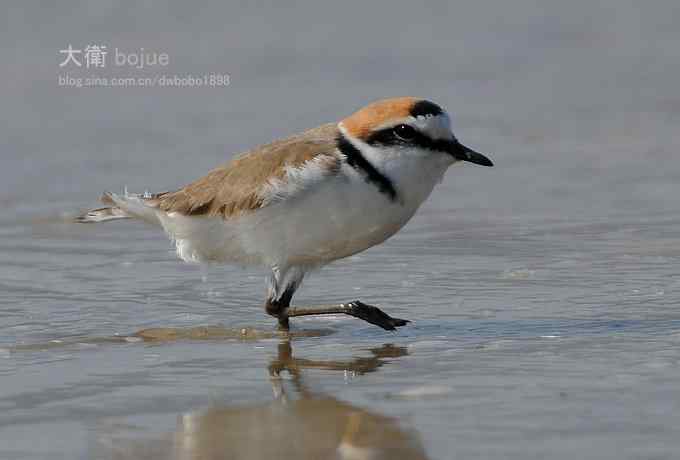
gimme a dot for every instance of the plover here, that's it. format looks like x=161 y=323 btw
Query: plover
x=299 y=203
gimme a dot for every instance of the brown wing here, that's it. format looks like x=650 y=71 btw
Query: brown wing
x=233 y=188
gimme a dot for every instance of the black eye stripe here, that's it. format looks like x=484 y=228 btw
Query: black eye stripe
x=387 y=137
x=404 y=132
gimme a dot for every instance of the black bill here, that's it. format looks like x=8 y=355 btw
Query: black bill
x=460 y=152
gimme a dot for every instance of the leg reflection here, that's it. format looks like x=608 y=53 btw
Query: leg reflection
x=300 y=423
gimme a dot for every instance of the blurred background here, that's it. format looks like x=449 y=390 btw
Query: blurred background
x=543 y=292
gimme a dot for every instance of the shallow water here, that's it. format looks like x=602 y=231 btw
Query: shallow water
x=543 y=292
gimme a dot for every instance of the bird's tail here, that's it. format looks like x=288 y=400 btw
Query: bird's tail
x=126 y=206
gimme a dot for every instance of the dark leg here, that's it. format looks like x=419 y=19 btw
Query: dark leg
x=278 y=307
x=288 y=280
x=282 y=310
x=358 y=309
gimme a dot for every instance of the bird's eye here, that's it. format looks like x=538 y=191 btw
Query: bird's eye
x=404 y=132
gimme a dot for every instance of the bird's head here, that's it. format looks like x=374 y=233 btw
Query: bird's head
x=408 y=126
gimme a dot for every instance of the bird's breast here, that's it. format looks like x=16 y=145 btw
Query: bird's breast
x=344 y=215
x=324 y=220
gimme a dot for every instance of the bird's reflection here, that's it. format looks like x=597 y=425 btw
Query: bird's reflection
x=299 y=424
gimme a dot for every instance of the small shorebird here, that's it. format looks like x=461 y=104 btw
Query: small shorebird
x=301 y=202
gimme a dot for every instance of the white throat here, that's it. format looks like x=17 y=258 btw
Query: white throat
x=414 y=172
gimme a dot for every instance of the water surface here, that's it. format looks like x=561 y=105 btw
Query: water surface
x=543 y=292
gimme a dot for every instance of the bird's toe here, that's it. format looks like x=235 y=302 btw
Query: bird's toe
x=374 y=315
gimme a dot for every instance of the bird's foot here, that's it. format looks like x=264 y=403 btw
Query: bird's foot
x=374 y=315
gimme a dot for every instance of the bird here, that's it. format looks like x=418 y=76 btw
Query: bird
x=299 y=203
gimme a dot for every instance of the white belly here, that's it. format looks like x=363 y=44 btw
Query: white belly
x=336 y=221
x=340 y=217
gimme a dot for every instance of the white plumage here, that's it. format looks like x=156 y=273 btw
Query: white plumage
x=331 y=192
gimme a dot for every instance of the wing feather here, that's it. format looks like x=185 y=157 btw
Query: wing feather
x=237 y=187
